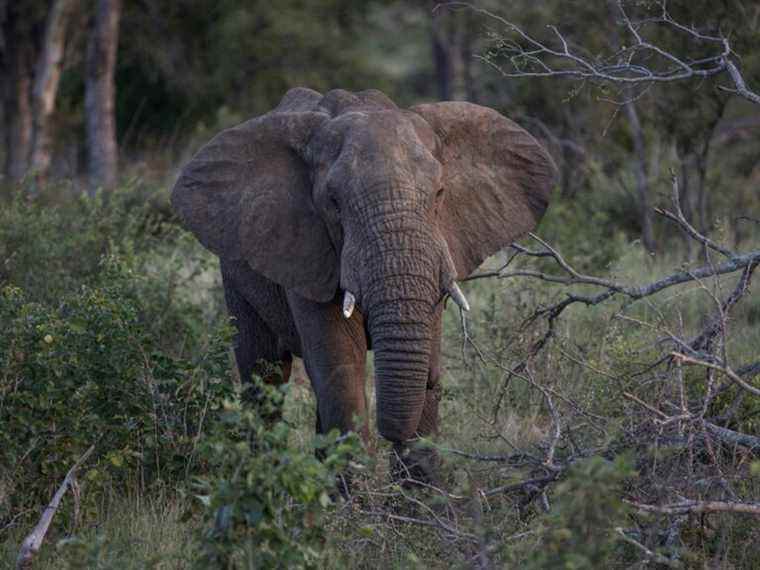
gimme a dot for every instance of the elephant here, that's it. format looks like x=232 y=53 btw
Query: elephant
x=342 y=224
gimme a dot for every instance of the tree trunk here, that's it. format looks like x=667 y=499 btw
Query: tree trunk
x=452 y=54
x=47 y=77
x=471 y=91
x=17 y=110
x=457 y=34
x=642 y=182
x=441 y=56
x=102 y=150
x=685 y=195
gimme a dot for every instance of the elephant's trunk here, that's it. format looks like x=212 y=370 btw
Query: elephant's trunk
x=399 y=288
x=401 y=339
x=400 y=305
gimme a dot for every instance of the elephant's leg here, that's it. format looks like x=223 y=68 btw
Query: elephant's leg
x=257 y=349
x=334 y=352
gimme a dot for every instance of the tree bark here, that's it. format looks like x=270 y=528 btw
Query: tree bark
x=441 y=56
x=102 y=149
x=17 y=110
x=451 y=55
x=642 y=182
x=471 y=90
x=47 y=78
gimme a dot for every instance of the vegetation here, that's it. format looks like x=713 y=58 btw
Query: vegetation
x=582 y=435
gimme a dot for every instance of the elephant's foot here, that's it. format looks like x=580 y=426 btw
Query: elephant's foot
x=413 y=464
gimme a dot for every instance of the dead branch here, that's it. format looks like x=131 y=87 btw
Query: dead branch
x=741 y=86
x=569 y=276
x=716 y=322
x=679 y=218
x=720 y=367
x=651 y=555
x=638 y=62
x=686 y=507
x=733 y=437
x=33 y=541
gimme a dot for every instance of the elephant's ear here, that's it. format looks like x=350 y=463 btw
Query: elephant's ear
x=247 y=195
x=497 y=180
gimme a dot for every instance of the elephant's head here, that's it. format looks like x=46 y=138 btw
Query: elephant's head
x=347 y=198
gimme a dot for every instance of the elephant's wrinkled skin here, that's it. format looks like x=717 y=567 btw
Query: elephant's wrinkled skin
x=348 y=193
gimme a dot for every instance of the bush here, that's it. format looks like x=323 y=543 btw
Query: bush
x=112 y=336
x=264 y=500
x=88 y=371
x=579 y=531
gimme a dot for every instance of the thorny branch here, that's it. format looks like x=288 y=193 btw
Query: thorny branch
x=528 y=56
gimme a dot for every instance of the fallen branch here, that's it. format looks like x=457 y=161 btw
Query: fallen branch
x=687 y=507
x=733 y=437
x=33 y=541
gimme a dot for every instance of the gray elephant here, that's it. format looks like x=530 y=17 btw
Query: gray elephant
x=342 y=223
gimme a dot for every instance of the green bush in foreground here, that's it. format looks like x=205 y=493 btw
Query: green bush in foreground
x=265 y=500
x=89 y=370
x=111 y=335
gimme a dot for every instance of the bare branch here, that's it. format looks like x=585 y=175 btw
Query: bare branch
x=681 y=220
x=528 y=56
x=741 y=86
x=33 y=541
x=700 y=507
x=733 y=437
x=651 y=555
x=720 y=367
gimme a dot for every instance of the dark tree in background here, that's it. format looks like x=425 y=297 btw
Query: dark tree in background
x=102 y=149
x=452 y=38
x=17 y=60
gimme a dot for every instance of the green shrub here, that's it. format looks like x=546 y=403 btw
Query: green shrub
x=579 y=532
x=89 y=371
x=264 y=500
x=112 y=334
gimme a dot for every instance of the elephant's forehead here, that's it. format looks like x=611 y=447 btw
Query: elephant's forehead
x=338 y=102
x=369 y=133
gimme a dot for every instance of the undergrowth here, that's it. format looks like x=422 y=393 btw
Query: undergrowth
x=114 y=334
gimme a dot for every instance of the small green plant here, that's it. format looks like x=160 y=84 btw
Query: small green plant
x=579 y=533
x=264 y=501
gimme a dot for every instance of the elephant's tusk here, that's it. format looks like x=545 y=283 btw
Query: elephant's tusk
x=349 y=302
x=458 y=296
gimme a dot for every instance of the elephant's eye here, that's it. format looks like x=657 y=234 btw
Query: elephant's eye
x=439 y=193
